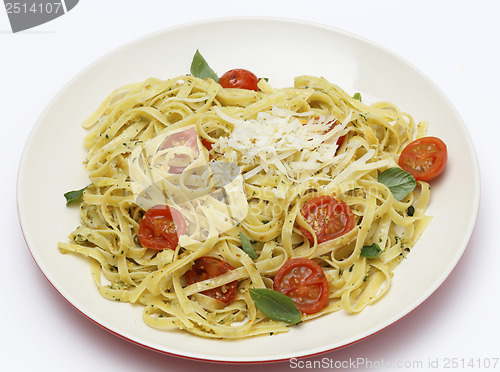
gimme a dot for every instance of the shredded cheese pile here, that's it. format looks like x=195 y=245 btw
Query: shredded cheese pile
x=280 y=143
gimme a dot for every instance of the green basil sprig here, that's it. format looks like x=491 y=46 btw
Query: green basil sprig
x=400 y=182
x=201 y=69
x=247 y=246
x=275 y=305
x=73 y=196
x=371 y=251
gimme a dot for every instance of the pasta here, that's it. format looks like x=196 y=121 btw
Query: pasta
x=256 y=161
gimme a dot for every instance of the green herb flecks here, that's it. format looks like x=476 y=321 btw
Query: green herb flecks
x=411 y=211
x=357 y=96
x=400 y=182
x=201 y=69
x=371 y=251
x=275 y=305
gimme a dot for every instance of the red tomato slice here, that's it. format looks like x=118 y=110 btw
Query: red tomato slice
x=424 y=158
x=208 y=267
x=304 y=281
x=239 y=78
x=340 y=140
x=328 y=217
x=206 y=143
x=186 y=138
x=161 y=227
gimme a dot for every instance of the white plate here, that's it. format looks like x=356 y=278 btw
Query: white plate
x=280 y=50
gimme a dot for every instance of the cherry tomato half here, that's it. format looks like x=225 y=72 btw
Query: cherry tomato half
x=208 y=267
x=340 y=140
x=161 y=227
x=328 y=217
x=239 y=78
x=424 y=158
x=304 y=281
x=186 y=138
x=207 y=144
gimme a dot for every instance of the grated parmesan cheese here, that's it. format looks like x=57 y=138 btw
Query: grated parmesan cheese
x=279 y=143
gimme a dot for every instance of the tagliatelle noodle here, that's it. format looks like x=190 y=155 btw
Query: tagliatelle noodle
x=283 y=143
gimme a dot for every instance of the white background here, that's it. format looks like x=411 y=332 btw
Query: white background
x=456 y=43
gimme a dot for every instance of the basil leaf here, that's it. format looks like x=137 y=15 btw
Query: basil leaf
x=247 y=246
x=400 y=182
x=357 y=96
x=201 y=69
x=371 y=251
x=73 y=196
x=275 y=305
